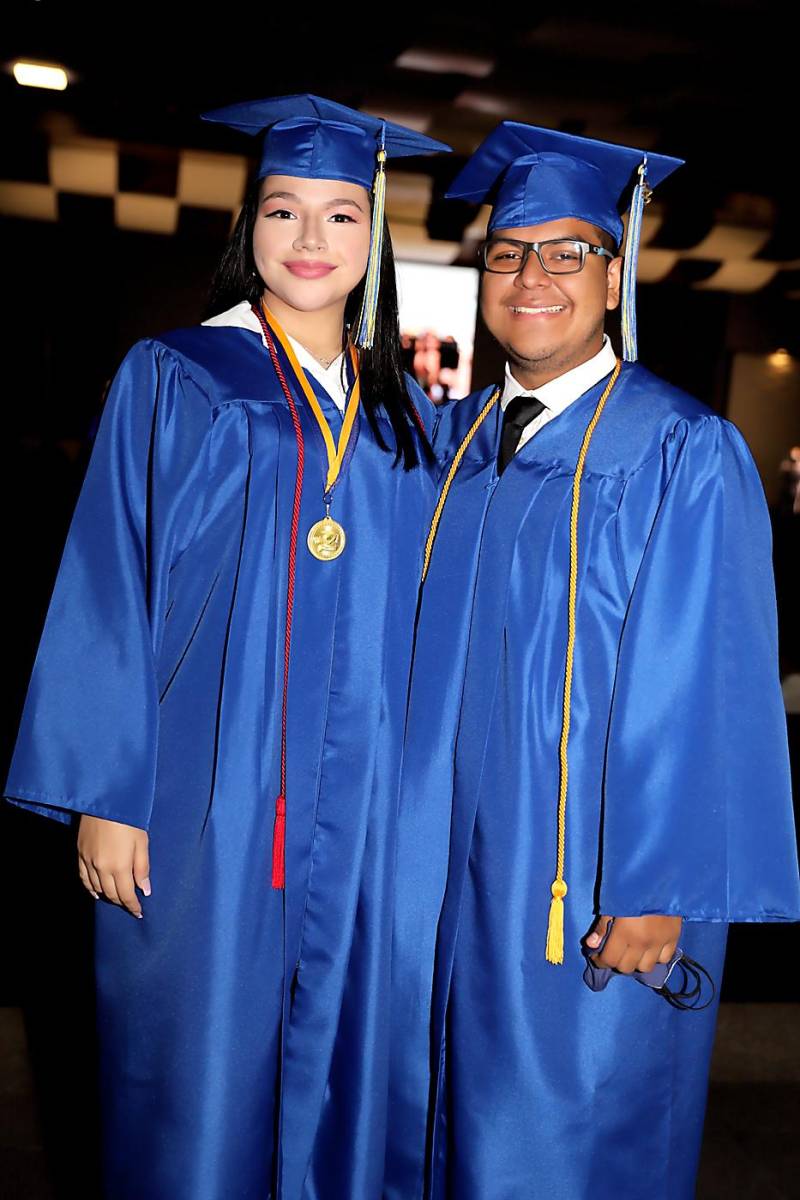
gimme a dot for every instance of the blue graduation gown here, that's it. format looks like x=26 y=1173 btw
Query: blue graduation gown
x=243 y=1029
x=678 y=797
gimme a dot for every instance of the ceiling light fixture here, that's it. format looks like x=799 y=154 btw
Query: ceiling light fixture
x=40 y=75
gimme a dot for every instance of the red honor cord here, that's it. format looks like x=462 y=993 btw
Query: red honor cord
x=279 y=828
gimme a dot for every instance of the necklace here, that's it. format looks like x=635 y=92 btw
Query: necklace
x=324 y=362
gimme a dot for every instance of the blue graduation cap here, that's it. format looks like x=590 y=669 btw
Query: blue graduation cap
x=533 y=175
x=313 y=138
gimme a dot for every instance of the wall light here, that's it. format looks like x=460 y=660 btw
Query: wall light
x=781 y=360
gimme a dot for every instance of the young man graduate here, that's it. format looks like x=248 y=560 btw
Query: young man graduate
x=596 y=686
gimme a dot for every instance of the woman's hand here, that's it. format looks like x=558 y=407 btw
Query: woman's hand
x=113 y=860
x=635 y=943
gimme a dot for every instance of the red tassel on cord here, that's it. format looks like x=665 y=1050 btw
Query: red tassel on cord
x=279 y=844
x=279 y=828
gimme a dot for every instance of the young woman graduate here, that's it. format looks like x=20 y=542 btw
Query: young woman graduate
x=611 y=731
x=220 y=690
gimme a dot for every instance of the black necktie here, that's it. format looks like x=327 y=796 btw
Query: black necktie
x=519 y=413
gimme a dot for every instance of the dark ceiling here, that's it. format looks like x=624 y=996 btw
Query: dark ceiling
x=712 y=81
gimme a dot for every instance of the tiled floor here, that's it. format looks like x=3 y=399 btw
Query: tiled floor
x=752 y=1138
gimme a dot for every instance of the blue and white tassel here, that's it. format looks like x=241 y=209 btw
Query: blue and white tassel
x=641 y=197
x=365 y=329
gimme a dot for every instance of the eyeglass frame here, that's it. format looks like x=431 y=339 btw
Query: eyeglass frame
x=586 y=248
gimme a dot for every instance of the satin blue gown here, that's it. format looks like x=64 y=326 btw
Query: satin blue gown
x=678 y=798
x=243 y=1029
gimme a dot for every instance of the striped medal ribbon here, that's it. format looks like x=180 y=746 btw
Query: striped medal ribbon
x=326 y=538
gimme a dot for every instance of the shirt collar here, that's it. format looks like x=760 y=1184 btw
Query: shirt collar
x=241 y=316
x=560 y=392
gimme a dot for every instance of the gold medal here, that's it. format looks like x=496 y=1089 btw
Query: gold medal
x=326 y=539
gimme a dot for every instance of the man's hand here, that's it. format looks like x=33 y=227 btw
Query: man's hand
x=635 y=943
x=113 y=861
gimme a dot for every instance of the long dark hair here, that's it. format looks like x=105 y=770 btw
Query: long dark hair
x=382 y=382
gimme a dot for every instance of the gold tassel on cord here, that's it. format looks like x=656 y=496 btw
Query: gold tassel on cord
x=554 y=951
x=554 y=948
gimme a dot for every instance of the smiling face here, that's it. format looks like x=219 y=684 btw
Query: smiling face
x=310 y=242
x=548 y=324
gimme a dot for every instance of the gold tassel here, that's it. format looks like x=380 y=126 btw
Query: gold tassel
x=554 y=950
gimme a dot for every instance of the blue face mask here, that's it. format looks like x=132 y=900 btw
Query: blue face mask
x=683 y=983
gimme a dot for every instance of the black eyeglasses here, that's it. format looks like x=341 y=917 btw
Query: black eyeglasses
x=557 y=256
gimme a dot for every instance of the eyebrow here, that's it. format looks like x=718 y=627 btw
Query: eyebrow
x=330 y=204
x=558 y=237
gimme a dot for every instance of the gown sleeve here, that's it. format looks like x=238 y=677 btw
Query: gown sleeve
x=88 y=737
x=697 y=811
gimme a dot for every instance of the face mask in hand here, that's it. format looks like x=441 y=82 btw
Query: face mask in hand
x=681 y=981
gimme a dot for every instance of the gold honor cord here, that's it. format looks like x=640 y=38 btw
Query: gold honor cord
x=326 y=538
x=455 y=464
x=554 y=950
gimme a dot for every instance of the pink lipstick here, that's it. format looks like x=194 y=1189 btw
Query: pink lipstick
x=309 y=268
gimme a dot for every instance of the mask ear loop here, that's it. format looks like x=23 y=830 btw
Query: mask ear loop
x=641 y=196
x=682 y=997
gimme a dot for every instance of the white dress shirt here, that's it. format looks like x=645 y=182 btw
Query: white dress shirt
x=559 y=393
x=241 y=316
